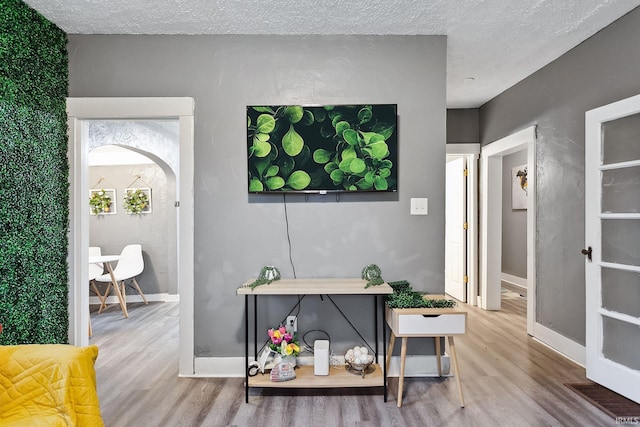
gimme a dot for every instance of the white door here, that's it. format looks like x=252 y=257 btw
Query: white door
x=612 y=184
x=455 y=230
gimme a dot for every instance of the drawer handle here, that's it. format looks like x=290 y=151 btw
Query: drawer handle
x=431 y=315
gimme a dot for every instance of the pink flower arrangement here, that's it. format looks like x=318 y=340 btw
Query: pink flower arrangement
x=283 y=342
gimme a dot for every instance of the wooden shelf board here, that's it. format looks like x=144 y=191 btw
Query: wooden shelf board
x=338 y=377
x=315 y=286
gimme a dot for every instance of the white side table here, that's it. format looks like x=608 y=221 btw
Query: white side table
x=425 y=322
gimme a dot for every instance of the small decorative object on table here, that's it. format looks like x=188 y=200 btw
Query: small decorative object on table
x=268 y=274
x=286 y=348
x=359 y=361
x=405 y=297
x=373 y=275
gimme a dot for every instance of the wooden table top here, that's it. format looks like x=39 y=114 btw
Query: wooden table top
x=315 y=286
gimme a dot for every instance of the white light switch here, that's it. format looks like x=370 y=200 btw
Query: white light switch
x=419 y=206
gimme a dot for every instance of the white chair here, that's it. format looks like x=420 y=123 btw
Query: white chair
x=130 y=265
x=95 y=270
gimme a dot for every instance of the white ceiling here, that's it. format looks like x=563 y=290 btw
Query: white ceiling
x=492 y=44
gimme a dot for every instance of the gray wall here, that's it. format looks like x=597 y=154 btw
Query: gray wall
x=514 y=222
x=463 y=126
x=155 y=231
x=236 y=234
x=603 y=69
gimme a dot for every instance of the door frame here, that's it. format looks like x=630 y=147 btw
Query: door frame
x=491 y=220
x=78 y=111
x=471 y=152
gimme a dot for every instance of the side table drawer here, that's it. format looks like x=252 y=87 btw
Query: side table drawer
x=428 y=324
x=432 y=322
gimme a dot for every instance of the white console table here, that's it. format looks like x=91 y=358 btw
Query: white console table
x=305 y=377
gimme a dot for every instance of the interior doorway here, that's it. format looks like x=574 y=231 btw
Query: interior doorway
x=491 y=196
x=461 y=258
x=80 y=112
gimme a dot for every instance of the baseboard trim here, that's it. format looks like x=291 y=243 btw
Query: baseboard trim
x=514 y=280
x=560 y=344
x=233 y=367
x=137 y=298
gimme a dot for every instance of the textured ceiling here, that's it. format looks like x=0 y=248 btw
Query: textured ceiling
x=492 y=44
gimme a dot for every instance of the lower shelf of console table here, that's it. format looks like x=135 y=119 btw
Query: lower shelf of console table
x=305 y=378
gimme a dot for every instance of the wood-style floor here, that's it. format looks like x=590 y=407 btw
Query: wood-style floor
x=508 y=379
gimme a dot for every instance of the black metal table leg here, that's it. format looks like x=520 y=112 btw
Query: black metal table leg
x=246 y=348
x=255 y=326
x=384 y=350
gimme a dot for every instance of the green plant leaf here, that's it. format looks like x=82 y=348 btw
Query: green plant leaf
x=261 y=149
x=255 y=185
x=386 y=163
x=371 y=137
x=248 y=121
x=286 y=165
x=351 y=136
x=345 y=165
x=384 y=172
x=337 y=176
x=272 y=171
x=342 y=126
x=357 y=165
x=327 y=131
x=321 y=156
x=364 y=184
x=349 y=153
x=307 y=118
x=264 y=110
x=384 y=129
x=381 y=184
x=265 y=123
x=376 y=137
x=370 y=177
x=378 y=150
x=292 y=142
x=274 y=183
x=330 y=167
x=264 y=137
x=261 y=165
x=364 y=115
x=304 y=156
x=319 y=115
x=299 y=180
x=294 y=113
x=335 y=119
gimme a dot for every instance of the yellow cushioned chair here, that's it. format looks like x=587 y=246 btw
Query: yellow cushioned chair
x=48 y=385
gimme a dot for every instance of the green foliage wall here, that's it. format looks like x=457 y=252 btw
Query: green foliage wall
x=34 y=188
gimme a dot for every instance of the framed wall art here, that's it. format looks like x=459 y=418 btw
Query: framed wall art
x=102 y=201
x=519 y=187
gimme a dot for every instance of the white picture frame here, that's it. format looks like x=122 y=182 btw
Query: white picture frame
x=96 y=193
x=147 y=191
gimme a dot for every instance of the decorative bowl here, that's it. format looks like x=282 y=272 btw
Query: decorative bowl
x=359 y=362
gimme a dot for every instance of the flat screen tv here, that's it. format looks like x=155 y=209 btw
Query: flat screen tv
x=322 y=149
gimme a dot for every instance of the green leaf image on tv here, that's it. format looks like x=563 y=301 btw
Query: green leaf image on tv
x=321 y=149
